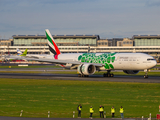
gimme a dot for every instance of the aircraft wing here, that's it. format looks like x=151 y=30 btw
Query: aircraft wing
x=52 y=60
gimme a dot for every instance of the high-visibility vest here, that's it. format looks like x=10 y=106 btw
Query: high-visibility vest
x=91 y=110
x=112 y=110
x=121 y=110
x=79 y=108
x=101 y=109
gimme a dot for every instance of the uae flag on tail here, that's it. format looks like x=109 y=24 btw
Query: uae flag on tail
x=51 y=43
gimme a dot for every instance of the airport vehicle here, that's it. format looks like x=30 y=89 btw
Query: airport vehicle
x=87 y=63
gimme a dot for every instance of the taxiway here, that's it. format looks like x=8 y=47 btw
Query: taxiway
x=47 y=76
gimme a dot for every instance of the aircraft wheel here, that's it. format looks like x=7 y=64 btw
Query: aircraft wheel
x=112 y=75
x=146 y=76
x=86 y=75
x=108 y=75
x=104 y=75
x=80 y=75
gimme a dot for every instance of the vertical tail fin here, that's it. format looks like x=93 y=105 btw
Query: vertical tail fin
x=18 y=52
x=24 y=53
x=51 y=43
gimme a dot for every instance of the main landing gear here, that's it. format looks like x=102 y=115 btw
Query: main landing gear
x=108 y=74
x=81 y=75
x=146 y=73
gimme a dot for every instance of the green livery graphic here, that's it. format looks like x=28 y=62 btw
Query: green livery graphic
x=106 y=58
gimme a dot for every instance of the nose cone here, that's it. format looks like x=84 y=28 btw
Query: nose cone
x=154 y=63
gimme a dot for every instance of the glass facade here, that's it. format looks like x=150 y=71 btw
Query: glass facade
x=27 y=42
x=73 y=40
x=146 y=40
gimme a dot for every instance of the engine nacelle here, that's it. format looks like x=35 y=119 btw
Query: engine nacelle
x=131 y=71
x=86 y=69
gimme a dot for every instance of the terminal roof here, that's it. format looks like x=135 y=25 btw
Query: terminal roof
x=54 y=36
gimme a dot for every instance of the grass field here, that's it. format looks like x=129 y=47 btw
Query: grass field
x=37 y=97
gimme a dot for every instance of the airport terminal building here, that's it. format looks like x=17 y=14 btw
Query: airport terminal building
x=147 y=40
x=61 y=40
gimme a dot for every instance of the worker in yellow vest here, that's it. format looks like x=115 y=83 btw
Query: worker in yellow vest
x=101 y=111
x=91 y=110
x=121 y=112
x=113 y=111
x=79 y=108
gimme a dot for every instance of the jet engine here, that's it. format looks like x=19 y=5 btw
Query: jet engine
x=131 y=71
x=86 y=69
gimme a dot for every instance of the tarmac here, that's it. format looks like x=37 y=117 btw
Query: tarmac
x=116 y=78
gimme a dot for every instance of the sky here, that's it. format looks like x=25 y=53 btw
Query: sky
x=106 y=18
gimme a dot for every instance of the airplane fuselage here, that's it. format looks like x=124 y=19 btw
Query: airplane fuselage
x=116 y=61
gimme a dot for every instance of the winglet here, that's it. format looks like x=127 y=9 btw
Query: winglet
x=51 y=43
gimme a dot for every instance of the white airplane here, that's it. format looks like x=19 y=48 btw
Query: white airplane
x=33 y=55
x=87 y=63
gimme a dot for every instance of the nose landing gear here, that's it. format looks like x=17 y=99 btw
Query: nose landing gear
x=146 y=73
x=146 y=76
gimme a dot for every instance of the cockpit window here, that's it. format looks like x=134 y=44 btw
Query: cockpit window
x=149 y=59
